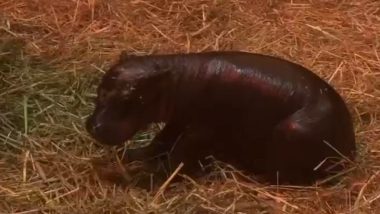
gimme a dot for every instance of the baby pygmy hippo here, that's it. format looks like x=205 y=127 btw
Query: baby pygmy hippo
x=261 y=114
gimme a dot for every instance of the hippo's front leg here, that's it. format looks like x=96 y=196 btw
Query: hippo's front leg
x=160 y=145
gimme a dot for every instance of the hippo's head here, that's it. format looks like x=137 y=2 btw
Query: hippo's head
x=128 y=99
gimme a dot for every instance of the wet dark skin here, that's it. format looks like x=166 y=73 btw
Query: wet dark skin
x=262 y=114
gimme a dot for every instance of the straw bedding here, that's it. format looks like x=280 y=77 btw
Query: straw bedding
x=52 y=54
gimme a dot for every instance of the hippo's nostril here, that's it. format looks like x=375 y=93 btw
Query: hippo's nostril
x=96 y=126
x=92 y=126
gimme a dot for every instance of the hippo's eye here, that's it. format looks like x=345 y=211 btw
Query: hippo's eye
x=126 y=91
x=105 y=95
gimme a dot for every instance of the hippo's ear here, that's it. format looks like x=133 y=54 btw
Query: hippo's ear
x=157 y=78
x=125 y=56
x=161 y=68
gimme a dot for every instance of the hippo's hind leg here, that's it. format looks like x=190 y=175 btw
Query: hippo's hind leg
x=299 y=146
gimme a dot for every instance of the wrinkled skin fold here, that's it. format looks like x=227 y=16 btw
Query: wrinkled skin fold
x=262 y=114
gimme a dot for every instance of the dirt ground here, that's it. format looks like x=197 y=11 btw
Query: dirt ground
x=52 y=54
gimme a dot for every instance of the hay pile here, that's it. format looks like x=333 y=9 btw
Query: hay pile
x=53 y=52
